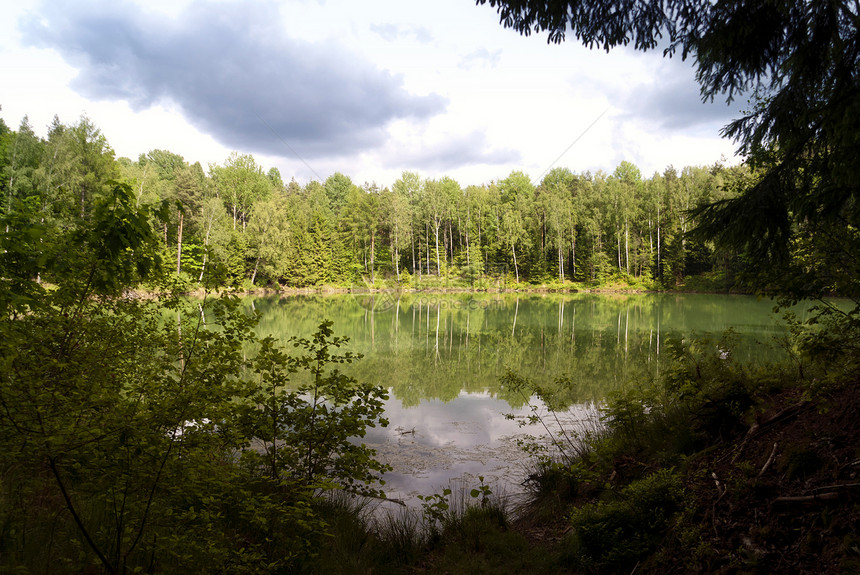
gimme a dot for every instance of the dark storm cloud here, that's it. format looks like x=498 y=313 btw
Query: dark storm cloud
x=467 y=150
x=678 y=105
x=234 y=72
x=673 y=102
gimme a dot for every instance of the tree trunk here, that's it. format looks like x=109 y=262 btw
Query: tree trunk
x=516 y=269
x=372 y=258
x=659 y=268
x=451 y=239
x=438 y=265
x=468 y=257
x=561 y=259
x=412 y=238
x=206 y=245
x=650 y=243
x=179 y=245
x=627 y=244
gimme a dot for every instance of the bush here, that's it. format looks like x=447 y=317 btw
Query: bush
x=615 y=534
x=702 y=395
x=127 y=424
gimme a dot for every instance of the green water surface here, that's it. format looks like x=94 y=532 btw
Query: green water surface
x=441 y=356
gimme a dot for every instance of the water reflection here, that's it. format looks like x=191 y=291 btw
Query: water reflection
x=435 y=346
x=442 y=357
x=430 y=445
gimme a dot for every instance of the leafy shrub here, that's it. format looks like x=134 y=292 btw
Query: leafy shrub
x=799 y=462
x=308 y=432
x=615 y=534
x=701 y=395
x=129 y=426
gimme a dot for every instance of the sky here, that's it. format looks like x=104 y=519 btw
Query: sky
x=369 y=89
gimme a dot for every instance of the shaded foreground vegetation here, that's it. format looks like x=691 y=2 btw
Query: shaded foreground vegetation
x=133 y=443
x=716 y=467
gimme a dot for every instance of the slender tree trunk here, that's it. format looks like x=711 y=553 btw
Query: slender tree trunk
x=427 y=244
x=561 y=259
x=659 y=268
x=650 y=243
x=179 y=245
x=412 y=241
x=543 y=235
x=468 y=257
x=372 y=258
x=438 y=263
x=479 y=235
x=254 y=275
x=205 y=251
x=627 y=244
x=451 y=234
x=446 y=237
x=140 y=188
x=516 y=269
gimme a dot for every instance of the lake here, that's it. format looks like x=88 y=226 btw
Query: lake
x=442 y=356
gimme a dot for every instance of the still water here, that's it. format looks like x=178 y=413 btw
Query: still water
x=442 y=356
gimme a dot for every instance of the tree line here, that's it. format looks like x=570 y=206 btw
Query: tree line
x=248 y=227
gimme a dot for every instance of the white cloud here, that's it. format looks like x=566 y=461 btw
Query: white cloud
x=369 y=88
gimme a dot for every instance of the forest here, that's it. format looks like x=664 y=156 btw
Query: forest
x=143 y=431
x=244 y=221
x=164 y=434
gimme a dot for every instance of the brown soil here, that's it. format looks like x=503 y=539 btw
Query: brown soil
x=784 y=498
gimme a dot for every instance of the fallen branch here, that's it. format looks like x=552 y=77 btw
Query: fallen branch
x=722 y=491
x=837 y=486
x=783 y=414
x=769 y=461
x=808 y=498
x=752 y=431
